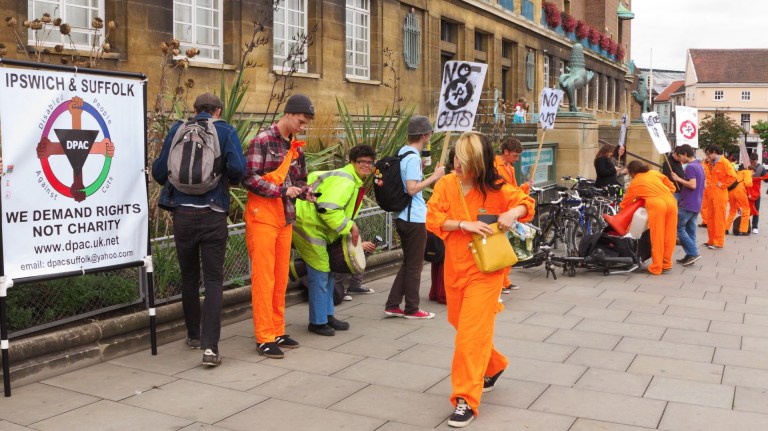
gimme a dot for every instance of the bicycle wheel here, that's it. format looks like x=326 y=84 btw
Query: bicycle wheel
x=574 y=232
x=549 y=234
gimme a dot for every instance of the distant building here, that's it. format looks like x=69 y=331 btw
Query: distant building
x=664 y=105
x=732 y=82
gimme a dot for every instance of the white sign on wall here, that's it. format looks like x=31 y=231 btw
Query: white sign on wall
x=687 y=127
x=656 y=130
x=74 y=193
x=549 y=101
x=460 y=95
x=623 y=132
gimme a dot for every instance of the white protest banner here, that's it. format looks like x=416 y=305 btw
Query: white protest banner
x=687 y=130
x=460 y=95
x=549 y=101
x=623 y=132
x=74 y=193
x=655 y=129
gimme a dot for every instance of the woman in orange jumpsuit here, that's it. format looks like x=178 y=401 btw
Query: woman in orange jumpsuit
x=661 y=204
x=737 y=200
x=472 y=296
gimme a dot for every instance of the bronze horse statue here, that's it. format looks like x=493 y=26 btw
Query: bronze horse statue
x=641 y=95
x=575 y=77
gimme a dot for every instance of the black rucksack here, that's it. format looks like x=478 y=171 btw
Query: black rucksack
x=388 y=184
x=194 y=161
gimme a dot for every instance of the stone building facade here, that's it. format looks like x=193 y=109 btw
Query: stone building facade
x=347 y=57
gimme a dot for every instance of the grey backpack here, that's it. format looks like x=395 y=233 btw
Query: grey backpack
x=194 y=161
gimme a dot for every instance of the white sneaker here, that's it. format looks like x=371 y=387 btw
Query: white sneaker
x=346 y=298
x=754 y=231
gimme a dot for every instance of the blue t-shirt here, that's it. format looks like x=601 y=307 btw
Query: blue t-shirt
x=410 y=169
x=690 y=199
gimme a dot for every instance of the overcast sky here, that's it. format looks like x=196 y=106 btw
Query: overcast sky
x=671 y=27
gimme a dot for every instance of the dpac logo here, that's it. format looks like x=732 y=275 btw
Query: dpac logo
x=76 y=144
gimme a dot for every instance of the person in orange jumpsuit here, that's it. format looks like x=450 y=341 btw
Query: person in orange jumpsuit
x=276 y=175
x=720 y=174
x=737 y=200
x=472 y=296
x=504 y=163
x=657 y=191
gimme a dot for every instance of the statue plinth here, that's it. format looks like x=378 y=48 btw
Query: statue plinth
x=576 y=135
x=639 y=142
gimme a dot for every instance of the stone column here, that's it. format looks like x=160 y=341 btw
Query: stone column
x=576 y=136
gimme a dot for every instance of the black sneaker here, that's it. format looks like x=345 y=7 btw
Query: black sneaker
x=286 y=342
x=193 y=343
x=337 y=324
x=462 y=416
x=490 y=382
x=691 y=259
x=211 y=358
x=323 y=329
x=270 y=350
x=683 y=260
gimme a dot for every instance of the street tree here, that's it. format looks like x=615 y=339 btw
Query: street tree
x=720 y=130
x=761 y=128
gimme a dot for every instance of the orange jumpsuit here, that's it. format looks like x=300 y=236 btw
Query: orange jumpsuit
x=661 y=204
x=471 y=296
x=265 y=225
x=507 y=172
x=719 y=176
x=737 y=199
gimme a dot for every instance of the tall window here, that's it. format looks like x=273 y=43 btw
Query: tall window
x=746 y=119
x=358 y=39
x=77 y=13
x=290 y=25
x=546 y=70
x=198 y=24
x=746 y=96
x=719 y=95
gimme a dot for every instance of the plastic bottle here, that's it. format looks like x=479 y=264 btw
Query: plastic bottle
x=639 y=222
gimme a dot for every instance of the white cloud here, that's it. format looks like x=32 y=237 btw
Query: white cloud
x=669 y=28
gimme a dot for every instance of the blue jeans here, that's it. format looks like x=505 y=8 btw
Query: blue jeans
x=320 y=289
x=686 y=231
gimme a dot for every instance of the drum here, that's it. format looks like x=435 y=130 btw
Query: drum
x=345 y=257
x=298 y=268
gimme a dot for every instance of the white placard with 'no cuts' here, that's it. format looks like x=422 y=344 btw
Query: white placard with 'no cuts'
x=549 y=101
x=459 y=96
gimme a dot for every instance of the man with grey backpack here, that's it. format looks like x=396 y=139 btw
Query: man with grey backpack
x=199 y=159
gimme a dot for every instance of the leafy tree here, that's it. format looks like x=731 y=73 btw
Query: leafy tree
x=720 y=130
x=761 y=128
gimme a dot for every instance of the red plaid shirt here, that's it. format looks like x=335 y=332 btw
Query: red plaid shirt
x=265 y=153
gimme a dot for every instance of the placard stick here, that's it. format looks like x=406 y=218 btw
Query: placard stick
x=444 y=153
x=538 y=153
x=669 y=165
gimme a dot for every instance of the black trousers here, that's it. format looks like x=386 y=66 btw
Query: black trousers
x=413 y=239
x=201 y=240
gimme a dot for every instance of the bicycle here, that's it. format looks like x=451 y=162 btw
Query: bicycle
x=560 y=222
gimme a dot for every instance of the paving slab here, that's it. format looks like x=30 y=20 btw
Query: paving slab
x=598 y=313
x=613 y=382
x=497 y=418
x=690 y=392
x=601 y=359
x=235 y=374
x=310 y=389
x=109 y=381
x=543 y=372
x=422 y=354
x=106 y=415
x=600 y=406
x=686 y=417
x=677 y=368
x=699 y=338
x=584 y=339
x=395 y=374
x=666 y=349
x=621 y=329
x=279 y=414
x=38 y=401
x=746 y=377
x=399 y=405
x=751 y=399
x=9 y=426
x=593 y=425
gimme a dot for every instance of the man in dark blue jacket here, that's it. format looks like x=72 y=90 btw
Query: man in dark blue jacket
x=200 y=231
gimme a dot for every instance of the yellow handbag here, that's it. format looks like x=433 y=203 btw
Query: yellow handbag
x=491 y=252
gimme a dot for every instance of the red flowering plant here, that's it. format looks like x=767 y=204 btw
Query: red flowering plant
x=594 y=36
x=612 y=46
x=605 y=42
x=569 y=22
x=551 y=13
x=582 y=29
x=619 y=53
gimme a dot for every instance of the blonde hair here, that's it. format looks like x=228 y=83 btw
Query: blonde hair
x=475 y=155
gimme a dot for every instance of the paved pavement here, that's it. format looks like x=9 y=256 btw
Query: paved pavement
x=687 y=350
